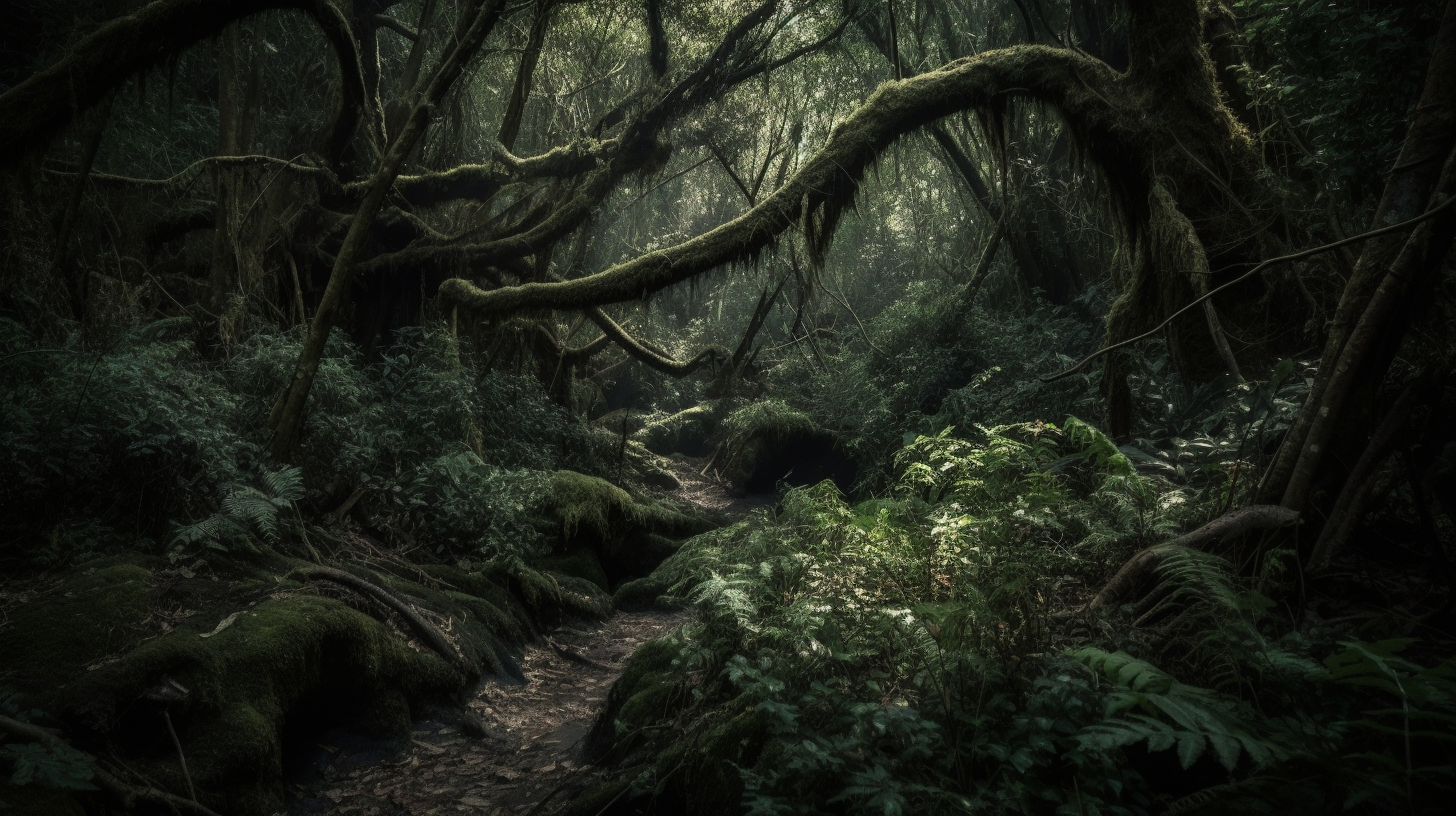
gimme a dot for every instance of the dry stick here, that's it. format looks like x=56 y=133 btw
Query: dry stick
x=124 y=793
x=1425 y=216
x=425 y=630
x=181 y=757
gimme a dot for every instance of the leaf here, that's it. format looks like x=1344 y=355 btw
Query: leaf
x=1227 y=750
x=226 y=622
x=1190 y=748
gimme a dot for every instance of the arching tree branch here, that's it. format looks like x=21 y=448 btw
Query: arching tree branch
x=32 y=112
x=818 y=192
x=650 y=358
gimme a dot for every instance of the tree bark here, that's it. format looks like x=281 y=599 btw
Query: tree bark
x=1135 y=574
x=287 y=417
x=1429 y=142
x=521 y=89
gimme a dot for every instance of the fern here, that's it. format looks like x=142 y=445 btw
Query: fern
x=245 y=512
x=1152 y=707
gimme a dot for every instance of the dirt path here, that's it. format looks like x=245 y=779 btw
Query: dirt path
x=527 y=761
x=711 y=494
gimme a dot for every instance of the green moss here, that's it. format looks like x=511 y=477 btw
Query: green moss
x=700 y=776
x=755 y=430
x=89 y=616
x=302 y=656
x=641 y=593
x=578 y=501
x=634 y=556
x=688 y=431
x=646 y=692
x=511 y=619
x=579 y=563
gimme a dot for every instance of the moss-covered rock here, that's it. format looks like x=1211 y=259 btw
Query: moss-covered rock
x=642 y=593
x=293 y=658
x=690 y=432
x=579 y=563
x=769 y=441
x=92 y=614
x=646 y=692
x=637 y=555
x=588 y=507
x=694 y=772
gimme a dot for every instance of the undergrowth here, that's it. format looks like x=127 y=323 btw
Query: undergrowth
x=925 y=652
x=143 y=442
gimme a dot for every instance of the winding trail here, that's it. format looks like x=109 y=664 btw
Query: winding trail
x=527 y=760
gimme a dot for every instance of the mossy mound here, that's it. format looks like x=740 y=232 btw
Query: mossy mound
x=288 y=660
x=642 y=593
x=262 y=659
x=637 y=555
x=587 y=506
x=95 y=612
x=696 y=773
x=647 y=691
x=690 y=432
x=579 y=563
x=769 y=442
x=629 y=535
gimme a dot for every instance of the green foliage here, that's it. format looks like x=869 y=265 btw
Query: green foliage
x=907 y=656
x=469 y=508
x=1343 y=76
x=146 y=438
x=938 y=361
x=60 y=767
x=1151 y=706
x=246 y=513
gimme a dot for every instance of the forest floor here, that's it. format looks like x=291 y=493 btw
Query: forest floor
x=528 y=761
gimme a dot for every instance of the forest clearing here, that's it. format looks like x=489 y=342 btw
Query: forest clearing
x=627 y=407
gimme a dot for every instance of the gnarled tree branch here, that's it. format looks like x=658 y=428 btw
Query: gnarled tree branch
x=32 y=112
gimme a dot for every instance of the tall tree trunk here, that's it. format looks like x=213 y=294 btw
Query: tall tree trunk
x=1381 y=277
x=521 y=90
x=287 y=415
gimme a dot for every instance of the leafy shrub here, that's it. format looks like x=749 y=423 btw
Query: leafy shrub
x=911 y=654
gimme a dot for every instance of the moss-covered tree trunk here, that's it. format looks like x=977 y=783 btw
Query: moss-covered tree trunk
x=288 y=414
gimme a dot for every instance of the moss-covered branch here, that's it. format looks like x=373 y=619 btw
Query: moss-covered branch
x=826 y=184
x=650 y=357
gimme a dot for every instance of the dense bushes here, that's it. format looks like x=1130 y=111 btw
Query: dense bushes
x=925 y=653
x=126 y=444
x=932 y=360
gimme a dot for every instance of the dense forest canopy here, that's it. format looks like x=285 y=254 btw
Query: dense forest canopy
x=1025 y=406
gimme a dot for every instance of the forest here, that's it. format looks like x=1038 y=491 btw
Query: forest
x=607 y=407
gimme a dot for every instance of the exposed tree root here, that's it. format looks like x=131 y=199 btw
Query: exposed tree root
x=423 y=629
x=1138 y=571
x=126 y=795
